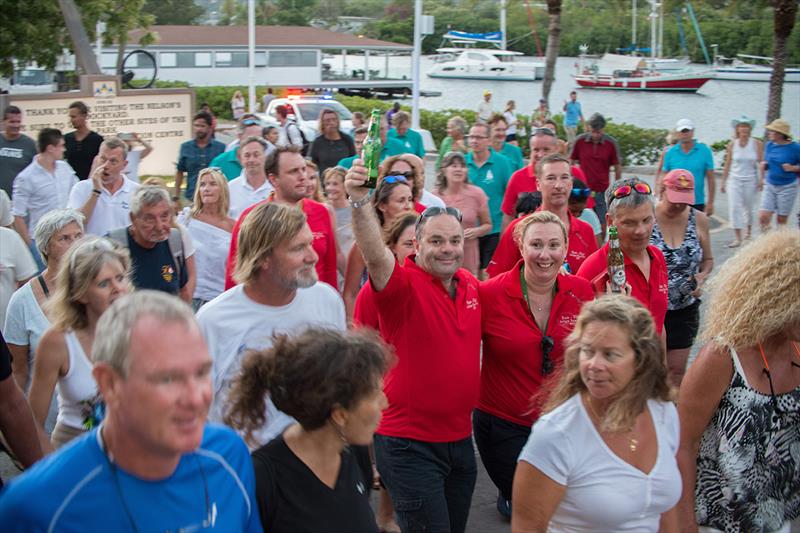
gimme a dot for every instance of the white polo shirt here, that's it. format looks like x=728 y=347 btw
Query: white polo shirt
x=243 y=195
x=37 y=191
x=111 y=210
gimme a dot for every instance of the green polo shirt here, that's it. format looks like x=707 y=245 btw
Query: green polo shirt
x=411 y=141
x=390 y=148
x=228 y=162
x=514 y=156
x=493 y=178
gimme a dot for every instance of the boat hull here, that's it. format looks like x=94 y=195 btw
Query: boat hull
x=660 y=83
x=738 y=74
x=487 y=73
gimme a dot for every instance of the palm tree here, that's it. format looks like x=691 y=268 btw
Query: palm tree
x=785 y=13
x=553 y=42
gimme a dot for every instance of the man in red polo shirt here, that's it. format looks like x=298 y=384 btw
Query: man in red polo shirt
x=543 y=142
x=631 y=208
x=429 y=310
x=555 y=184
x=596 y=152
x=286 y=170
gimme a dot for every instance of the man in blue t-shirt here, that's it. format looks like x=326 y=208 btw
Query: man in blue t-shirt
x=696 y=157
x=197 y=154
x=153 y=464
x=156 y=248
x=573 y=117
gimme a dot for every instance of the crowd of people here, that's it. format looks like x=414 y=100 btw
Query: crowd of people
x=263 y=344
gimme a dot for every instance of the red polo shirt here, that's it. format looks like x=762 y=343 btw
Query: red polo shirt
x=596 y=159
x=652 y=294
x=581 y=244
x=434 y=386
x=512 y=358
x=365 y=313
x=524 y=180
x=319 y=220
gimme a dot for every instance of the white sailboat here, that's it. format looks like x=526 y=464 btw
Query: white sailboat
x=744 y=67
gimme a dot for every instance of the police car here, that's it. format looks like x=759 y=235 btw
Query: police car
x=305 y=110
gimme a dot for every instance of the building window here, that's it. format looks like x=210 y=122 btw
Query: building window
x=292 y=59
x=202 y=59
x=167 y=59
x=231 y=59
x=185 y=59
x=108 y=61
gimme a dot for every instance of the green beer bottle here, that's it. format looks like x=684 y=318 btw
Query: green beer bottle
x=371 y=153
x=616 y=262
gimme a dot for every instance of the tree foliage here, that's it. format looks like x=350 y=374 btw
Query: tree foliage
x=178 y=12
x=269 y=12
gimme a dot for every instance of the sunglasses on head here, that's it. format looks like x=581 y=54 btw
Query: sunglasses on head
x=251 y=122
x=543 y=131
x=400 y=177
x=626 y=190
x=580 y=193
x=436 y=211
x=547 y=345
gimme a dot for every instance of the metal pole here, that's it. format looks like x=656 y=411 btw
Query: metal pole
x=251 y=54
x=503 y=39
x=366 y=65
x=633 y=24
x=653 y=29
x=415 y=59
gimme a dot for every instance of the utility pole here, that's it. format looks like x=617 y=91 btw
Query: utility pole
x=80 y=40
x=415 y=59
x=251 y=55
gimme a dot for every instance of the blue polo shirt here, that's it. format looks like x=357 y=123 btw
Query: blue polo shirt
x=776 y=155
x=492 y=177
x=698 y=161
x=391 y=147
x=192 y=159
x=411 y=141
x=572 y=115
x=514 y=156
x=228 y=163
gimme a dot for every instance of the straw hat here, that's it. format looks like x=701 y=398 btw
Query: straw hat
x=744 y=119
x=781 y=126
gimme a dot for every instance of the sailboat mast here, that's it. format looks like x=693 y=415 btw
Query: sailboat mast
x=653 y=28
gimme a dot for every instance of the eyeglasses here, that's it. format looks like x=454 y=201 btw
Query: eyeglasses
x=580 y=193
x=546 y=346
x=477 y=137
x=436 y=211
x=626 y=190
x=543 y=131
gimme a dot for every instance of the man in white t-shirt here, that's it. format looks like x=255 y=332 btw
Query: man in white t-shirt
x=16 y=266
x=44 y=185
x=105 y=198
x=277 y=293
x=252 y=186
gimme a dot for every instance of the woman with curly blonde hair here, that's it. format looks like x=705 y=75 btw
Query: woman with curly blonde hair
x=739 y=403
x=93 y=274
x=602 y=457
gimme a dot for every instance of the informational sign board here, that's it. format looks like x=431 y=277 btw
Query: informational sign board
x=162 y=117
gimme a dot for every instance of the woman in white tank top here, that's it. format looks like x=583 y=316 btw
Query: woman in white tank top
x=93 y=274
x=743 y=165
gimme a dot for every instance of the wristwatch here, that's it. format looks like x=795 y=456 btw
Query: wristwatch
x=357 y=204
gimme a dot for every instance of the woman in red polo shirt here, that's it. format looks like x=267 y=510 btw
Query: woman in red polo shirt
x=528 y=312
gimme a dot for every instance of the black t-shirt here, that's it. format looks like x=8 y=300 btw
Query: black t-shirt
x=154 y=268
x=80 y=154
x=5 y=359
x=292 y=499
x=326 y=153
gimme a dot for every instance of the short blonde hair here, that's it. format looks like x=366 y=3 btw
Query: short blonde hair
x=264 y=228
x=224 y=193
x=755 y=293
x=538 y=217
x=76 y=274
x=650 y=376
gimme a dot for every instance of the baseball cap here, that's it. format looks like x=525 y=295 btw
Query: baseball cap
x=679 y=186
x=684 y=124
x=487 y=93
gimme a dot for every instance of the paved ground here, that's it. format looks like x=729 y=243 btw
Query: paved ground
x=483 y=515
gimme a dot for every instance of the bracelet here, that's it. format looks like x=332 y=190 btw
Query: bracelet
x=98 y=192
x=358 y=204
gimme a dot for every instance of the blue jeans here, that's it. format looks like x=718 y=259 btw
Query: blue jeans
x=430 y=483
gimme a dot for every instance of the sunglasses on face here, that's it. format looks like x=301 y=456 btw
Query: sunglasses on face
x=436 y=211
x=547 y=348
x=626 y=190
x=685 y=130
x=580 y=193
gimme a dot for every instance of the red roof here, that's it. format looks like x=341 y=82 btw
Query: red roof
x=271 y=36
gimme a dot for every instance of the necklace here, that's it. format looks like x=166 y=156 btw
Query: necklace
x=633 y=443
